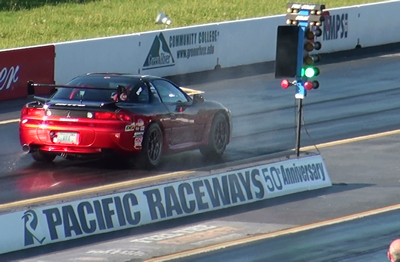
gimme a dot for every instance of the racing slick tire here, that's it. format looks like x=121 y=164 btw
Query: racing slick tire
x=41 y=156
x=152 y=147
x=218 y=140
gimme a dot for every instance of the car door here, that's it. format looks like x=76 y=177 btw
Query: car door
x=184 y=114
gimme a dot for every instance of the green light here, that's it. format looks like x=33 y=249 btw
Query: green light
x=302 y=72
x=311 y=72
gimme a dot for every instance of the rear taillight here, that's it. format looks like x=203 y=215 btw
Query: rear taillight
x=112 y=116
x=105 y=115
x=32 y=111
x=123 y=117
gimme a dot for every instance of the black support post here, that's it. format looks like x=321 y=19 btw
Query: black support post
x=299 y=110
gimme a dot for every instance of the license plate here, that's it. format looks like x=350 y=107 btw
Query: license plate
x=66 y=137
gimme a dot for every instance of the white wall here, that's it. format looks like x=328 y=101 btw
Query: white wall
x=232 y=43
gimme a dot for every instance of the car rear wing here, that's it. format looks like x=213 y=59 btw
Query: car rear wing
x=121 y=91
x=190 y=91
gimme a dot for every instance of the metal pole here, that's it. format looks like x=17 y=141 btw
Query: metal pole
x=299 y=109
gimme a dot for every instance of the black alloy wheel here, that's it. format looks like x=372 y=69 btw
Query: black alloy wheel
x=152 y=146
x=219 y=137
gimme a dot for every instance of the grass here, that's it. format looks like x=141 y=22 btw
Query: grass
x=34 y=22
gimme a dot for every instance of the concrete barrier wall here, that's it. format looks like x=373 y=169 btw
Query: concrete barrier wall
x=17 y=66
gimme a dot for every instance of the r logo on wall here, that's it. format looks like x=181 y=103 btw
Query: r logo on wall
x=159 y=54
x=335 y=26
x=31 y=222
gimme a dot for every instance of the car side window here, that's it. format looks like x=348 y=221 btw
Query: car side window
x=139 y=94
x=168 y=92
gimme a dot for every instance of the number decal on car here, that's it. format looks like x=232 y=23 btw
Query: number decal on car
x=130 y=128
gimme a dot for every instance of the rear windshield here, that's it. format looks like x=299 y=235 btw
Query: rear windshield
x=88 y=94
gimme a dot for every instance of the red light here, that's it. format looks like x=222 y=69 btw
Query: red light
x=285 y=83
x=31 y=111
x=112 y=116
x=123 y=117
x=308 y=85
x=105 y=115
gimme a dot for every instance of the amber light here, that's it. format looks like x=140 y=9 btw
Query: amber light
x=310 y=35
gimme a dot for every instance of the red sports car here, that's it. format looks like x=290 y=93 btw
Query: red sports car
x=122 y=114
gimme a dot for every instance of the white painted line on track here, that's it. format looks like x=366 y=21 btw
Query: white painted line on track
x=352 y=140
x=93 y=190
x=391 y=55
x=9 y=121
x=248 y=240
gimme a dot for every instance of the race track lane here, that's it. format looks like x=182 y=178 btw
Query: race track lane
x=263 y=119
x=299 y=227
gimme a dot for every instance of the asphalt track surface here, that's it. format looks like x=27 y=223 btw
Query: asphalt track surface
x=359 y=96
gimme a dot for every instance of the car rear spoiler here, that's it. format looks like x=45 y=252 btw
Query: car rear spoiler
x=121 y=91
x=190 y=91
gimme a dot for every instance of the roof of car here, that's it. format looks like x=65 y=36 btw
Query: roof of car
x=148 y=77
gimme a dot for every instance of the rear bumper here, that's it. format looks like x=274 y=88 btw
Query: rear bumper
x=90 y=141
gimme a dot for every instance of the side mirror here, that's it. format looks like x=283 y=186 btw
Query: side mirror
x=198 y=98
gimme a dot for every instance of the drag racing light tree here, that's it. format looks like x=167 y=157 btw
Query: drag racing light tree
x=308 y=18
x=297 y=40
x=309 y=71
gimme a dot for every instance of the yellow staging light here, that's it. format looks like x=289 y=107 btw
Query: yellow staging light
x=308 y=46
x=310 y=34
x=308 y=60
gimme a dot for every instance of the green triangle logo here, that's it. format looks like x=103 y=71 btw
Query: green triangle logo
x=159 y=54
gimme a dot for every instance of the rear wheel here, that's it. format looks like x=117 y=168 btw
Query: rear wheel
x=219 y=137
x=41 y=156
x=152 y=146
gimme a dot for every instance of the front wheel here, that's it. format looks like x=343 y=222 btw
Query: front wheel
x=41 y=156
x=152 y=146
x=219 y=137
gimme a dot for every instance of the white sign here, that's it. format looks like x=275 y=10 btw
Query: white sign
x=66 y=221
